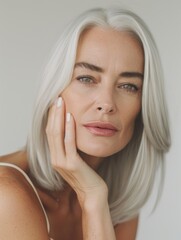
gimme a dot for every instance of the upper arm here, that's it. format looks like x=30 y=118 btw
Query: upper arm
x=127 y=230
x=20 y=216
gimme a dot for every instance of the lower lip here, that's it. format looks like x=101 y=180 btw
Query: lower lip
x=101 y=131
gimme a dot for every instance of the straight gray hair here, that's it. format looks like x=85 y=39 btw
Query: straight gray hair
x=130 y=173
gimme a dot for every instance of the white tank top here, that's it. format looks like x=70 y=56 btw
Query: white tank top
x=30 y=182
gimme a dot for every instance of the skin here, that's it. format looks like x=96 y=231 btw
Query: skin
x=82 y=211
x=114 y=54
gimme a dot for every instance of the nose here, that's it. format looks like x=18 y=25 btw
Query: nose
x=105 y=108
x=105 y=103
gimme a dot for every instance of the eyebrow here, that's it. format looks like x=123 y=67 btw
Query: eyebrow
x=89 y=66
x=132 y=75
x=92 y=67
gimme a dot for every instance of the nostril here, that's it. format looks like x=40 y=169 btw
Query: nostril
x=106 y=109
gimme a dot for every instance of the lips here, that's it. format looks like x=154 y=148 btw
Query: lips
x=101 y=128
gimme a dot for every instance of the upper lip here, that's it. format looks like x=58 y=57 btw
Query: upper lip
x=105 y=125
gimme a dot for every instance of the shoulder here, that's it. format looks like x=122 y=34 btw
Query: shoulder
x=12 y=187
x=15 y=190
x=18 y=158
x=20 y=211
x=127 y=230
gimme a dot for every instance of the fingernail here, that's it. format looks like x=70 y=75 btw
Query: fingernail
x=68 y=115
x=59 y=102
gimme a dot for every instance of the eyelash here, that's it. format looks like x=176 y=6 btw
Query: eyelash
x=129 y=87
x=83 y=78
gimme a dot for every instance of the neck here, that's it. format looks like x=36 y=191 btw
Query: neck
x=92 y=161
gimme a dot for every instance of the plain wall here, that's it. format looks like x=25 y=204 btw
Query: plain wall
x=29 y=30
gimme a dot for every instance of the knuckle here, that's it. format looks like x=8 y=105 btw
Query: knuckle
x=72 y=164
x=55 y=133
x=47 y=130
x=57 y=163
x=71 y=167
x=52 y=132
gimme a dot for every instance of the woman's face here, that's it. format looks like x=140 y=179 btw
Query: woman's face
x=104 y=95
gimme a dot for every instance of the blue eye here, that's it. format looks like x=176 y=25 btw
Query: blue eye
x=85 y=79
x=129 y=87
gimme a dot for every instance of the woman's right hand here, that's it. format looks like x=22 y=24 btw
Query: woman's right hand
x=88 y=185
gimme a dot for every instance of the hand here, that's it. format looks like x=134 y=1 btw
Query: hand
x=65 y=159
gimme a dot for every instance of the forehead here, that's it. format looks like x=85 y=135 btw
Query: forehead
x=106 y=34
x=103 y=45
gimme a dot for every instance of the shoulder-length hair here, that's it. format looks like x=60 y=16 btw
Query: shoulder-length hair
x=129 y=173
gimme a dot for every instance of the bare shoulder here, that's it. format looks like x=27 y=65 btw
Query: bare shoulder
x=18 y=158
x=21 y=216
x=127 y=230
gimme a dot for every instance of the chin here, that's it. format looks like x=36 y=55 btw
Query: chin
x=98 y=152
x=102 y=147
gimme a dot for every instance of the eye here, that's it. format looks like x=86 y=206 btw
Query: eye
x=129 y=87
x=85 y=79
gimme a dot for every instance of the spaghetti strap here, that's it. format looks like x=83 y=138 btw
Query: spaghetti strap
x=30 y=182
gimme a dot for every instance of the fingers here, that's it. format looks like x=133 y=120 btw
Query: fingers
x=61 y=135
x=55 y=131
x=58 y=128
x=70 y=141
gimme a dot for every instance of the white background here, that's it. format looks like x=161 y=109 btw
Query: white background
x=29 y=30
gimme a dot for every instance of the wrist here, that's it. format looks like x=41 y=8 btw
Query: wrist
x=94 y=200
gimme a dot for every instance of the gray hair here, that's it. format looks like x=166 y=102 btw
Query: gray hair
x=130 y=173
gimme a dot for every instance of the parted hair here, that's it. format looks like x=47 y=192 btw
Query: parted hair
x=130 y=173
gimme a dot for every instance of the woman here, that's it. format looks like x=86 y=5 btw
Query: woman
x=99 y=133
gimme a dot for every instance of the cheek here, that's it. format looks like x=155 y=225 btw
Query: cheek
x=130 y=111
x=71 y=100
x=128 y=119
x=74 y=97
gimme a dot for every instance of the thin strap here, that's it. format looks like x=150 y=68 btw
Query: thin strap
x=30 y=182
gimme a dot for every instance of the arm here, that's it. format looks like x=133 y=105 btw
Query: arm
x=20 y=214
x=97 y=218
x=90 y=188
x=97 y=223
